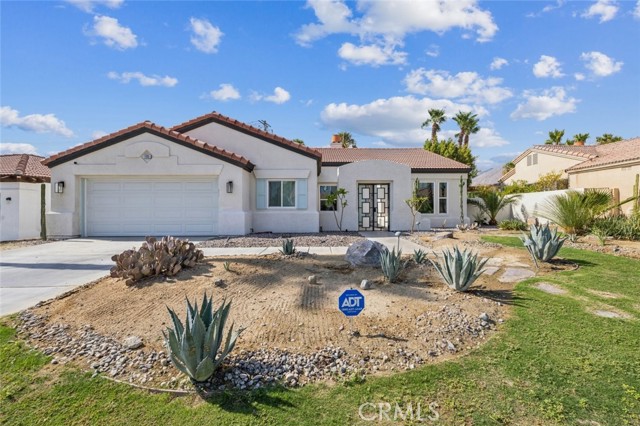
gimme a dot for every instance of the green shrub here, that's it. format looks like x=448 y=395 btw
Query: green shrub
x=575 y=211
x=419 y=256
x=622 y=228
x=512 y=225
x=167 y=257
x=459 y=269
x=391 y=263
x=543 y=243
x=288 y=248
x=196 y=348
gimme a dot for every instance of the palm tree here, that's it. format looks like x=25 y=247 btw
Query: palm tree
x=472 y=129
x=491 y=202
x=555 y=137
x=436 y=118
x=347 y=140
x=468 y=123
x=607 y=138
x=581 y=137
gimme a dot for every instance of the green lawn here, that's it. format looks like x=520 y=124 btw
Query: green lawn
x=553 y=362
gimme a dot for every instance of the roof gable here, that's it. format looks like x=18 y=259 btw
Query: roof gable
x=612 y=153
x=24 y=166
x=148 y=127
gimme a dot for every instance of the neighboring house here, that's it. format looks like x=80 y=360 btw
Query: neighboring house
x=489 y=177
x=615 y=166
x=540 y=160
x=217 y=176
x=21 y=178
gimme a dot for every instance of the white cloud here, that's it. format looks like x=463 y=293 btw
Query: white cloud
x=433 y=51
x=372 y=54
x=547 y=104
x=113 y=34
x=467 y=86
x=226 y=92
x=144 y=80
x=547 y=9
x=39 y=123
x=279 y=96
x=97 y=134
x=395 y=120
x=579 y=76
x=600 y=64
x=17 y=148
x=636 y=11
x=547 y=66
x=498 y=63
x=206 y=37
x=89 y=5
x=605 y=9
x=386 y=23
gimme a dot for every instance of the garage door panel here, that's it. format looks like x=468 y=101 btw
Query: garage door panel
x=151 y=206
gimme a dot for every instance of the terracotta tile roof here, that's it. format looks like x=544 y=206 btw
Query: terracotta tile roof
x=420 y=160
x=148 y=127
x=489 y=177
x=214 y=117
x=612 y=153
x=584 y=151
x=507 y=175
x=18 y=166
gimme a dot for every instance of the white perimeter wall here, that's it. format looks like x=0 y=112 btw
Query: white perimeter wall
x=20 y=217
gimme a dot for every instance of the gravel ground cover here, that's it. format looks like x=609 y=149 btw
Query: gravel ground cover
x=269 y=239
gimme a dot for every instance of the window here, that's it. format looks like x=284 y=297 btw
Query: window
x=532 y=159
x=425 y=189
x=442 y=197
x=282 y=193
x=325 y=191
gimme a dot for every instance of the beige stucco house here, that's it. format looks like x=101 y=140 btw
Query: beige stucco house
x=217 y=176
x=21 y=179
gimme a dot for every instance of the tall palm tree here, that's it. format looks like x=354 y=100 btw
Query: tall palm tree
x=468 y=123
x=491 y=202
x=555 y=137
x=607 y=138
x=436 y=118
x=472 y=128
x=581 y=137
x=347 y=140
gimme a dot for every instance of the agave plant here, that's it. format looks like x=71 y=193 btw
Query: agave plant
x=459 y=269
x=391 y=263
x=542 y=242
x=196 y=348
x=288 y=248
x=419 y=256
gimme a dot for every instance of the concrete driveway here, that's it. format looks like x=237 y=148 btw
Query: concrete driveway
x=29 y=275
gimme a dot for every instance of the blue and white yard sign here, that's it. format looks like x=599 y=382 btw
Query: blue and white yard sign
x=351 y=302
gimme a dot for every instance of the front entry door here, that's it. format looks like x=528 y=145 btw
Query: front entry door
x=373 y=207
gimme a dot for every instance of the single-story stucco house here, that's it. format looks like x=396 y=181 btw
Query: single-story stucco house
x=217 y=176
x=21 y=179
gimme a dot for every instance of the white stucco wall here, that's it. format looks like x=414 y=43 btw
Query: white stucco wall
x=169 y=159
x=546 y=164
x=20 y=217
x=400 y=180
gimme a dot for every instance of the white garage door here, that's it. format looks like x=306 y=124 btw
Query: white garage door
x=151 y=206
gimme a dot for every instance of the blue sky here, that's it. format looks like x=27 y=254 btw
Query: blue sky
x=76 y=70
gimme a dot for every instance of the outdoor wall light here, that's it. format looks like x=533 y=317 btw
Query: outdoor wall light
x=229 y=187
x=8 y=199
x=58 y=188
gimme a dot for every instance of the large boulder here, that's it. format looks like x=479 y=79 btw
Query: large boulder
x=365 y=253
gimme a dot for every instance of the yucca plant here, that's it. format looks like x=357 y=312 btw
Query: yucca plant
x=391 y=264
x=459 y=269
x=227 y=266
x=574 y=211
x=542 y=242
x=492 y=202
x=196 y=348
x=288 y=248
x=419 y=256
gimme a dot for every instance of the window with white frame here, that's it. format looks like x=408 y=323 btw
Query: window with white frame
x=425 y=190
x=442 y=197
x=282 y=193
x=325 y=192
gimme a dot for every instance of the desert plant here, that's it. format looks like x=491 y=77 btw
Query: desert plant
x=543 y=243
x=391 y=264
x=419 y=256
x=620 y=227
x=512 y=225
x=288 y=248
x=338 y=198
x=459 y=269
x=574 y=211
x=491 y=202
x=227 y=266
x=416 y=202
x=601 y=235
x=167 y=257
x=196 y=348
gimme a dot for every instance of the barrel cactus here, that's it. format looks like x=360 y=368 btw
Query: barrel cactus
x=459 y=269
x=542 y=242
x=196 y=348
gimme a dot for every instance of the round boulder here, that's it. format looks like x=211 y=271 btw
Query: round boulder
x=365 y=253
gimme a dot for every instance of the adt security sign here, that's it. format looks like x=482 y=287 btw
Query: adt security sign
x=351 y=302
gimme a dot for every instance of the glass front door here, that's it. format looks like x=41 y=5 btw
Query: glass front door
x=373 y=207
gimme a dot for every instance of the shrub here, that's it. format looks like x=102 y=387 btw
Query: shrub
x=419 y=256
x=543 y=243
x=513 y=225
x=391 y=263
x=167 y=257
x=196 y=348
x=575 y=211
x=491 y=202
x=288 y=248
x=622 y=228
x=459 y=269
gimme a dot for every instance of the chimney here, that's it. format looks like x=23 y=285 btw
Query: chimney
x=336 y=141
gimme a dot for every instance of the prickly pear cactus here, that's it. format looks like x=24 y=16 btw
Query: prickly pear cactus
x=164 y=257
